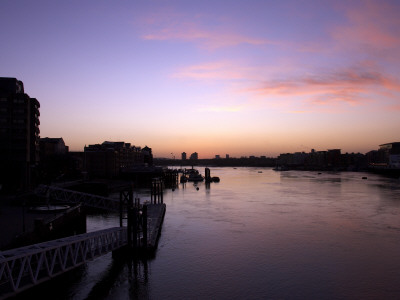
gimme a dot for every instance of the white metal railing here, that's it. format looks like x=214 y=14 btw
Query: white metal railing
x=70 y=196
x=25 y=267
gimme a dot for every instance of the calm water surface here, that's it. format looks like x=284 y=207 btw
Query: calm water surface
x=261 y=234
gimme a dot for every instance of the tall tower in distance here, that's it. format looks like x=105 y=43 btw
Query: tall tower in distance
x=183 y=155
x=194 y=156
x=19 y=135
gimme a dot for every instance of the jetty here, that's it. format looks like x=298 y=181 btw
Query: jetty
x=140 y=227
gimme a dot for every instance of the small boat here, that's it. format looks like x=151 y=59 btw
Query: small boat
x=194 y=175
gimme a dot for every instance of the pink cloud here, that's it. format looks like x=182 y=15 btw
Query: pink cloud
x=217 y=109
x=373 y=27
x=394 y=108
x=351 y=86
x=210 y=71
x=174 y=26
x=206 y=38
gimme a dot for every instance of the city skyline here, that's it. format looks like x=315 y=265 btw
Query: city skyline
x=245 y=78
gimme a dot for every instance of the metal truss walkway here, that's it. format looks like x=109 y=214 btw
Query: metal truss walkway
x=25 y=267
x=70 y=196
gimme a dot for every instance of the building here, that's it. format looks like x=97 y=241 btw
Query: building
x=390 y=153
x=19 y=135
x=217 y=156
x=52 y=146
x=106 y=160
x=147 y=156
x=56 y=163
x=227 y=156
x=183 y=155
x=194 y=156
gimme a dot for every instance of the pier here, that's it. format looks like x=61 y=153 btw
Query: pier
x=24 y=267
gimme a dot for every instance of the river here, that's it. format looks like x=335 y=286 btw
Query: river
x=259 y=234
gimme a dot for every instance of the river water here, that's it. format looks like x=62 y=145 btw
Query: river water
x=259 y=234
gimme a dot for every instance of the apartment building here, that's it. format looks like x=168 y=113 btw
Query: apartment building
x=19 y=136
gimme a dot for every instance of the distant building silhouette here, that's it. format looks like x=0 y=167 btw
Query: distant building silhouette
x=331 y=159
x=227 y=156
x=106 y=160
x=390 y=154
x=147 y=156
x=194 y=156
x=56 y=163
x=217 y=156
x=19 y=135
x=52 y=146
x=183 y=155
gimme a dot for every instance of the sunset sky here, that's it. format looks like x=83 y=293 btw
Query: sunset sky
x=216 y=77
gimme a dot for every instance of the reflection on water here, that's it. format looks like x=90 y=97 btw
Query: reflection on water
x=285 y=235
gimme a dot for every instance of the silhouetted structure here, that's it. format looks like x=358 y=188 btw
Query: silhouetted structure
x=147 y=156
x=386 y=159
x=331 y=159
x=106 y=160
x=52 y=146
x=391 y=154
x=19 y=135
x=194 y=156
x=56 y=163
x=183 y=155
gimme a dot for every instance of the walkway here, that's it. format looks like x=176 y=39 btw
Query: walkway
x=25 y=267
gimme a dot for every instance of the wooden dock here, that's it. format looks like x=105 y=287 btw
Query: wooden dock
x=155 y=218
x=143 y=230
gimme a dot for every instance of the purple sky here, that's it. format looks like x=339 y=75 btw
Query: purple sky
x=216 y=77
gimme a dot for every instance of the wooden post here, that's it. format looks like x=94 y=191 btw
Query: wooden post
x=161 y=192
x=151 y=191
x=130 y=227
x=120 y=209
x=130 y=197
x=134 y=227
x=207 y=175
x=144 y=225
x=125 y=197
x=158 y=192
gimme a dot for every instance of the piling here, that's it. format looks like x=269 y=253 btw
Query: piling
x=156 y=191
x=207 y=175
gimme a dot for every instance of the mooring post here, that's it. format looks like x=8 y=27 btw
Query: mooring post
x=161 y=191
x=125 y=198
x=134 y=227
x=158 y=192
x=130 y=196
x=144 y=225
x=153 y=191
x=120 y=209
x=131 y=219
x=207 y=175
x=130 y=227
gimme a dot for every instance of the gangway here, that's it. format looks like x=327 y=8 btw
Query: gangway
x=28 y=266
x=70 y=196
x=25 y=267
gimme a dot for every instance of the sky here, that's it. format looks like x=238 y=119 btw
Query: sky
x=213 y=77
